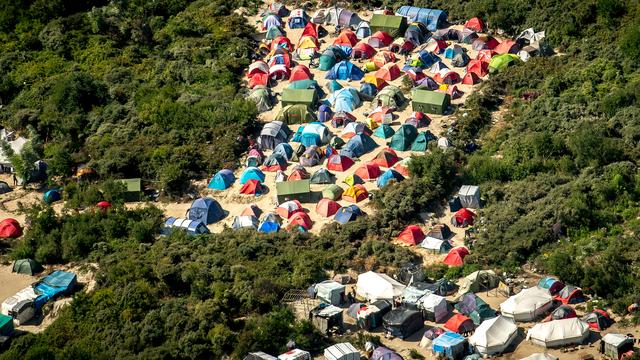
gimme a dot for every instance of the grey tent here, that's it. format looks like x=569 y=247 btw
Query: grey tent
x=390 y=96
x=402 y=322
x=323 y=176
x=461 y=59
x=469 y=196
x=27 y=266
x=272 y=134
x=4 y=187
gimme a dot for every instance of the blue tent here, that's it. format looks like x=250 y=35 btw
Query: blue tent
x=345 y=70
x=345 y=99
x=358 y=146
x=251 y=173
x=387 y=176
x=368 y=91
x=451 y=345
x=334 y=85
x=298 y=22
x=324 y=113
x=428 y=58
x=270 y=223
x=433 y=19
x=192 y=227
x=57 y=283
x=52 y=196
x=205 y=210
x=285 y=150
x=222 y=180
x=347 y=214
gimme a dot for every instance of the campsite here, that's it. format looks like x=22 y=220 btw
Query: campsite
x=326 y=180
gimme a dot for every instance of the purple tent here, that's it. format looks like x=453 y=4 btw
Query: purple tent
x=428 y=82
x=383 y=353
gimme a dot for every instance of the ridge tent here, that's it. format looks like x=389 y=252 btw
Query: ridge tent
x=262 y=97
x=386 y=158
x=475 y=308
x=205 y=210
x=273 y=32
x=273 y=133
x=348 y=213
x=380 y=39
x=362 y=50
x=345 y=70
x=252 y=187
x=502 y=61
x=339 y=162
x=559 y=333
x=346 y=38
x=469 y=196
x=494 y=336
x=437 y=246
x=368 y=171
x=374 y=286
x=391 y=96
x=456 y=256
x=306 y=97
x=527 y=305
x=388 y=72
x=402 y=322
x=363 y=30
x=570 y=295
x=300 y=219
x=355 y=193
x=432 y=19
x=298 y=19
x=271 y=222
x=245 y=222
x=475 y=24
x=385 y=131
x=327 y=207
x=460 y=324
x=434 y=307
x=358 y=145
x=192 y=227
x=411 y=235
x=295 y=114
x=431 y=102
x=481 y=280
x=393 y=25
x=27 y=267
x=463 y=218
x=422 y=141
x=323 y=176
x=551 y=284
x=341 y=351
x=10 y=229
x=252 y=173
x=403 y=138
x=294 y=190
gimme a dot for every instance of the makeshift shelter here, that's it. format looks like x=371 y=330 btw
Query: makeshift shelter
x=271 y=222
x=363 y=30
x=355 y=193
x=469 y=196
x=460 y=324
x=434 y=307
x=333 y=192
x=345 y=70
x=388 y=177
x=411 y=235
x=389 y=72
x=570 y=295
x=10 y=229
x=558 y=333
x=615 y=346
x=393 y=25
x=437 y=246
x=341 y=351
x=475 y=308
x=380 y=39
x=456 y=256
x=432 y=19
x=391 y=96
x=597 y=319
x=368 y=171
x=403 y=138
x=402 y=322
x=294 y=190
x=51 y=196
x=432 y=102
x=327 y=207
x=562 y=312
x=273 y=133
x=245 y=222
x=205 y=210
x=384 y=131
x=192 y=227
x=27 y=267
x=463 y=218
x=442 y=287
x=450 y=345
x=421 y=141
x=259 y=355
x=288 y=208
x=374 y=286
x=553 y=285
x=527 y=305
x=253 y=187
x=347 y=214
x=494 y=336
x=358 y=145
x=502 y=61
x=481 y=280
x=295 y=114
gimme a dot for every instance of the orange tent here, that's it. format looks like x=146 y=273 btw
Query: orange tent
x=252 y=187
x=251 y=210
x=300 y=72
x=346 y=38
x=456 y=256
x=478 y=67
x=460 y=324
x=327 y=207
x=474 y=24
x=368 y=171
x=386 y=158
x=298 y=174
x=389 y=72
x=300 y=218
x=470 y=79
x=355 y=193
x=402 y=168
x=507 y=47
x=411 y=235
x=484 y=56
x=384 y=57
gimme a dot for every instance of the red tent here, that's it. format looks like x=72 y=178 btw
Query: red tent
x=252 y=187
x=363 y=50
x=300 y=72
x=300 y=218
x=368 y=171
x=415 y=74
x=411 y=235
x=450 y=77
x=460 y=324
x=386 y=158
x=379 y=116
x=402 y=169
x=463 y=217
x=327 y=207
x=282 y=42
x=103 y=204
x=474 y=24
x=10 y=228
x=506 y=47
x=388 y=72
x=279 y=72
x=288 y=208
x=456 y=256
x=470 y=79
x=310 y=30
x=258 y=79
x=437 y=46
x=380 y=39
x=478 y=67
x=484 y=56
x=491 y=42
x=346 y=38
x=338 y=162
x=298 y=174
x=257 y=67
x=384 y=57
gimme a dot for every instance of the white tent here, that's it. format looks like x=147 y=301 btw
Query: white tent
x=374 y=286
x=528 y=304
x=443 y=143
x=540 y=356
x=493 y=336
x=469 y=196
x=341 y=351
x=331 y=292
x=435 y=245
x=559 y=332
x=317 y=129
x=436 y=306
x=295 y=354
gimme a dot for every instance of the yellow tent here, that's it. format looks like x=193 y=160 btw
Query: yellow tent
x=372 y=79
x=443 y=87
x=371 y=124
x=355 y=194
x=307 y=42
x=370 y=66
x=352 y=180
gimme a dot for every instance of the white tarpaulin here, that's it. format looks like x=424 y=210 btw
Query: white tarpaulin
x=435 y=304
x=341 y=351
x=559 y=332
x=528 y=304
x=493 y=336
x=374 y=286
x=27 y=293
x=540 y=356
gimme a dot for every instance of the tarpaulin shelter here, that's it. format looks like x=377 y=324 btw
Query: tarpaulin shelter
x=402 y=322
x=252 y=187
x=362 y=50
x=380 y=39
x=295 y=114
x=494 y=336
x=570 y=295
x=346 y=38
x=528 y=304
x=245 y=222
x=615 y=346
x=271 y=222
x=456 y=256
x=347 y=213
x=433 y=19
x=327 y=207
x=205 y=210
x=393 y=25
x=463 y=217
x=10 y=229
x=222 y=180
x=374 y=286
x=355 y=193
x=345 y=70
x=368 y=171
x=432 y=102
x=341 y=351
x=403 y=138
x=460 y=324
x=358 y=145
x=540 y=356
x=559 y=333
x=27 y=267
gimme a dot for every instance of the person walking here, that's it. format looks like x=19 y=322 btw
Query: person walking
x=15 y=179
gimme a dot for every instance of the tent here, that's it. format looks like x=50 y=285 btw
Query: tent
x=345 y=99
x=345 y=70
x=403 y=138
x=257 y=67
x=416 y=34
x=411 y=235
x=485 y=56
x=272 y=134
x=402 y=322
x=451 y=51
x=333 y=192
x=252 y=187
x=422 y=141
x=614 y=346
x=324 y=112
x=295 y=114
x=432 y=19
x=271 y=222
x=460 y=324
x=339 y=163
x=553 y=285
x=380 y=39
x=306 y=97
x=500 y=62
x=354 y=128
x=393 y=25
x=456 y=256
x=597 y=319
x=251 y=210
x=347 y=214
x=327 y=207
x=384 y=132
x=363 y=50
x=270 y=21
x=274 y=32
x=434 y=307
x=4 y=187
x=358 y=145
x=437 y=246
x=469 y=196
x=368 y=171
x=559 y=333
x=275 y=162
x=192 y=227
x=298 y=19
x=450 y=345
x=363 y=30
x=403 y=167
x=330 y=292
x=279 y=72
x=205 y=210
x=481 y=280
x=341 y=351
x=570 y=295
x=474 y=307
x=448 y=77
x=432 y=102
x=281 y=42
x=374 y=286
x=474 y=24
x=10 y=229
x=507 y=47
x=259 y=355
x=463 y=217
x=562 y=312
x=300 y=219
x=440 y=231
x=339 y=16
x=478 y=67
x=391 y=96
x=286 y=209
x=346 y=38
x=294 y=190
x=51 y=196
x=315 y=133
x=383 y=353
x=262 y=97
x=372 y=79
x=527 y=305
x=389 y=176
x=284 y=150
x=540 y=356
x=494 y=336
x=311 y=156
x=460 y=59
x=389 y=72
x=299 y=72
x=245 y=222
x=467 y=36
x=438 y=67
x=27 y=267
x=470 y=78
x=222 y=180
x=355 y=193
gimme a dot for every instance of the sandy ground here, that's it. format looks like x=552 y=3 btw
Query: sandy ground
x=11 y=283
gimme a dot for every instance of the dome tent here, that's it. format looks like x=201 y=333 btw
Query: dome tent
x=27 y=267
x=252 y=173
x=52 y=196
x=10 y=228
x=205 y=210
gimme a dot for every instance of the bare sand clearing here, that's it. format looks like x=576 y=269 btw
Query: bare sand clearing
x=11 y=283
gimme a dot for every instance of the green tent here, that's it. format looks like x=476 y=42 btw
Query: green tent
x=133 y=189
x=384 y=131
x=294 y=190
x=326 y=62
x=333 y=85
x=502 y=61
x=27 y=267
x=6 y=325
x=261 y=95
x=296 y=114
x=431 y=102
x=422 y=141
x=333 y=192
x=303 y=84
x=306 y=97
x=390 y=96
x=404 y=137
x=393 y=25
x=273 y=32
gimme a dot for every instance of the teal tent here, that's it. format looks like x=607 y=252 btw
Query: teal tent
x=404 y=137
